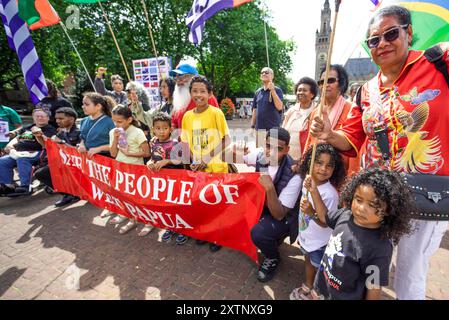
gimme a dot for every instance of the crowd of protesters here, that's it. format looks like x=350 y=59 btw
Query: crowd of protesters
x=346 y=205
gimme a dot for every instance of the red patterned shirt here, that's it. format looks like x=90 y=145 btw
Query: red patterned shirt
x=415 y=113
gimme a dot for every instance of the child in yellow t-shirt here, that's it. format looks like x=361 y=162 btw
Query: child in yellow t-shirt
x=206 y=131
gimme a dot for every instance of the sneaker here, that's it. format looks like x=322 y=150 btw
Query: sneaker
x=181 y=239
x=166 y=237
x=214 y=247
x=267 y=269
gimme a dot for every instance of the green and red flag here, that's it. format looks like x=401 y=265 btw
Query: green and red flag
x=37 y=13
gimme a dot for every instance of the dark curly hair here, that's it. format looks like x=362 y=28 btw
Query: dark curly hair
x=163 y=117
x=312 y=84
x=343 y=78
x=339 y=174
x=390 y=188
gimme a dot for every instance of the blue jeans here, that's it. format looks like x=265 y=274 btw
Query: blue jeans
x=24 y=166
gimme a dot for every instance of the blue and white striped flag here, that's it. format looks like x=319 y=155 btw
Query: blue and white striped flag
x=19 y=39
x=203 y=10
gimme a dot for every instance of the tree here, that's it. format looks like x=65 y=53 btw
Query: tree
x=231 y=55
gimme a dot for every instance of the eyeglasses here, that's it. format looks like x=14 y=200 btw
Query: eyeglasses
x=389 y=36
x=329 y=81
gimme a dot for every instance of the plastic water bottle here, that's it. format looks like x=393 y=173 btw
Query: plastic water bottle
x=303 y=222
x=122 y=142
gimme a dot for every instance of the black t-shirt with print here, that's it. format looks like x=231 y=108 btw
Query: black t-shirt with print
x=353 y=255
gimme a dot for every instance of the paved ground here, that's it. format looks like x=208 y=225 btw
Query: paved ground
x=71 y=253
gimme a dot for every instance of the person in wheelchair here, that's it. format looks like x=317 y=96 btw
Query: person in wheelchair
x=69 y=134
x=23 y=152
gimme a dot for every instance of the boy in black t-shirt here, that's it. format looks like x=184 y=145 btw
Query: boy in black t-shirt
x=375 y=215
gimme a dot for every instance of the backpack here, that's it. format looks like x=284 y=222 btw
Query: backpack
x=435 y=55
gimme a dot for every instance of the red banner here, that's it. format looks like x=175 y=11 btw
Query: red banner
x=219 y=208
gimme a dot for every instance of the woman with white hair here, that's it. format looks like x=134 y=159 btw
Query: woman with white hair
x=139 y=103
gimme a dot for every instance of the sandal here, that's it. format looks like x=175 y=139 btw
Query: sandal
x=146 y=230
x=300 y=293
x=117 y=219
x=130 y=225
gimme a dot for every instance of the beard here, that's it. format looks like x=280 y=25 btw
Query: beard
x=181 y=97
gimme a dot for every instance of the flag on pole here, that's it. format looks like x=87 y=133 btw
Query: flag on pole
x=47 y=15
x=204 y=9
x=19 y=39
x=430 y=20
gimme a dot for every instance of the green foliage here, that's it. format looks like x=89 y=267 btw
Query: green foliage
x=231 y=54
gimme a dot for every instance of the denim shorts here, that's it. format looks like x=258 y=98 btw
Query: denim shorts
x=314 y=256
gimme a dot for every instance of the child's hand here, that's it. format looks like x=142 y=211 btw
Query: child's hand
x=306 y=207
x=295 y=168
x=198 y=167
x=151 y=165
x=93 y=151
x=309 y=184
x=160 y=164
x=82 y=149
x=125 y=151
x=239 y=147
x=116 y=133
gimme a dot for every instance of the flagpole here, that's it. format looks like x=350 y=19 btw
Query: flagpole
x=78 y=54
x=326 y=77
x=115 y=40
x=266 y=44
x=150 y=31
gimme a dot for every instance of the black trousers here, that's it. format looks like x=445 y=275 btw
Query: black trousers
x=43 y=175
x=268 y=234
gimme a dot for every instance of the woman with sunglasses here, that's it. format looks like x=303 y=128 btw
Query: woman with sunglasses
x=406 y=108
x=336 y=107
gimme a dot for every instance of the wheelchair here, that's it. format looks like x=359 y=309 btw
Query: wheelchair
x=35 y=185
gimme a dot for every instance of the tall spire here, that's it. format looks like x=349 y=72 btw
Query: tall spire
x=326 y=5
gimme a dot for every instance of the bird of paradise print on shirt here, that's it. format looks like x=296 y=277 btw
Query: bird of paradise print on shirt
x=420 y=154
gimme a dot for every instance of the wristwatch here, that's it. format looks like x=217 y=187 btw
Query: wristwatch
x=253 y=127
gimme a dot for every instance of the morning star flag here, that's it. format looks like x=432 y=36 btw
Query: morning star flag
x=37 y=13
x=19 y=39
x=203 y=10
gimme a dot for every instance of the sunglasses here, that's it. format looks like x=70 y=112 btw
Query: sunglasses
x=388 y=36
x=265 y=72
x=329 y=81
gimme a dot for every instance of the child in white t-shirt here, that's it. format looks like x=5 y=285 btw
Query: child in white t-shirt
x=327 y=175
